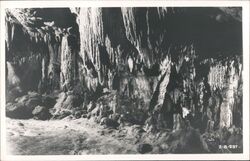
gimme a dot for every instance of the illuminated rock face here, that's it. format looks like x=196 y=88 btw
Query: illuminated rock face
x=68 y=61
x=156 y=61
x=227 y=78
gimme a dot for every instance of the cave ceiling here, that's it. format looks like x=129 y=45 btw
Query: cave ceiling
x=220 y=27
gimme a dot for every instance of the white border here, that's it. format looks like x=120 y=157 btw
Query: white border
x=137 y=3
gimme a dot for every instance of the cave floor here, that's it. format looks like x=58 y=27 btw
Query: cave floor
x=66 y=137
x=85 y=136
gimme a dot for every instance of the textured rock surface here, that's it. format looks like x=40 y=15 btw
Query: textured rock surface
x=41 y=113
x=29 y=106
x=144 y=148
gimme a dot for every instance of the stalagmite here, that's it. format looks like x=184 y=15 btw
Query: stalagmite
x=130 y=64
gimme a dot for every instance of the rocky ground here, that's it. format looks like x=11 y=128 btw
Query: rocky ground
x=83 y=136
x=80 y=136
x=34 y=137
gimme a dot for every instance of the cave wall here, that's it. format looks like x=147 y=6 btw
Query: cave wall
x=157 y=37
x=23 y=58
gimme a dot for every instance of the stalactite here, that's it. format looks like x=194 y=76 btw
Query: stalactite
x=91 y=35
x=91 y=31
x=163 y=81
x=225 y=77
x=12 y=31
x=216 y=76
x=44 y=71
x=110 y=50
x=130 y=25
x=12 y=78
x=68 y=56
x=162 y=11
x=141 y=31
x=7 y=33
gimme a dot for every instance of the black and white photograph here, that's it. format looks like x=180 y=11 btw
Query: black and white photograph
x=124 y=80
